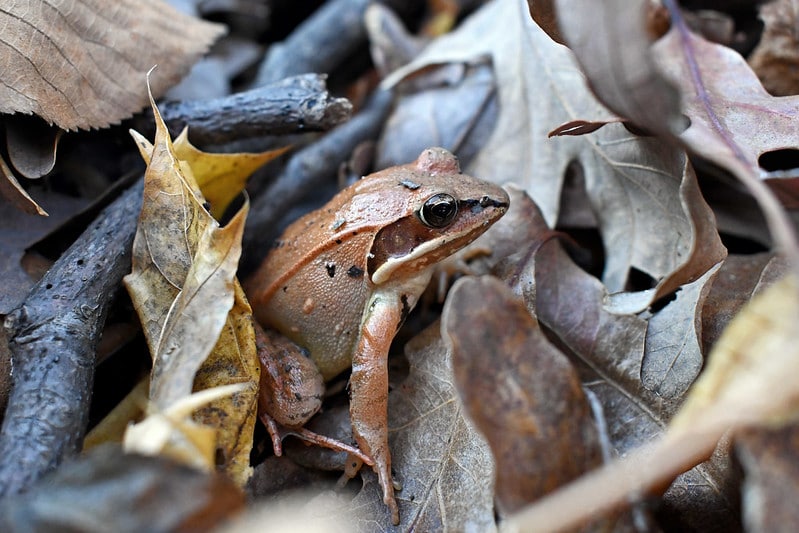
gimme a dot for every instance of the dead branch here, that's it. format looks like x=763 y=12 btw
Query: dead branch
x=52 y=337
x=295 y=104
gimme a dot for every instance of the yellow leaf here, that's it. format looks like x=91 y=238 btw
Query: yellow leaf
x=221 y=176
x=173 y=433
x=184 y=289
x=231 y=361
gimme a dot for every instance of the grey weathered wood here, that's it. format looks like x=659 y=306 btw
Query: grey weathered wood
x=53 y=337
x=292 y=105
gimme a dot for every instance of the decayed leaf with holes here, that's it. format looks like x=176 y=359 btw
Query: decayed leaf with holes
x=733 y=119
x=183 y=287
x=81 y=63
x=650 y=214
x=725 y=103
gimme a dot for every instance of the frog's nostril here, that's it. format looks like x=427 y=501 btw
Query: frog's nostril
x=487 y=201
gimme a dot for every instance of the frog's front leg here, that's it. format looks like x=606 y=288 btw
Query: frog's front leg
x=369 y=385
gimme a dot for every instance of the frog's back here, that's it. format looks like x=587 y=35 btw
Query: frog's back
x=314 y=290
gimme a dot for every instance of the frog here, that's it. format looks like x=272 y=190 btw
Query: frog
x=341 y=280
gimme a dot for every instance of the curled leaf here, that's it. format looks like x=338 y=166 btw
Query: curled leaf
x=195 y=317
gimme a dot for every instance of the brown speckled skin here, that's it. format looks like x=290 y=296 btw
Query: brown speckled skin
x=342 y=278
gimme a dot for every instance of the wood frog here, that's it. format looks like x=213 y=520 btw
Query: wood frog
x=341 y=280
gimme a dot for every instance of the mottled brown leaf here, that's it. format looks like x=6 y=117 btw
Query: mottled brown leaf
x=520 y=391
x=231 y=361
x=81 y=63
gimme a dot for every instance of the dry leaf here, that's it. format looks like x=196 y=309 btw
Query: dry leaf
x=520 y=391
x=455 y=114
x=538 y=88
x=112 y=427
x=31 y=145
x=637 y=365
x=725 y=103
x=727 y=107
x=81 y=63
x=183 y=287
x=18 y=232
x=221 y=177
x=179 y=251
x=776 y=57
x=11 y=190
x=650 y=213
x=738 y=280
x=444 y=465
x=231 y=361
x=621 y=75
x=743 y=385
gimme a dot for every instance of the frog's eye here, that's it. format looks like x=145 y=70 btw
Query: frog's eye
x=439 y=210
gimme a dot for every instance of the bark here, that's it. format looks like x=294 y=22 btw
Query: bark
x=53 y=336
x=291 y=105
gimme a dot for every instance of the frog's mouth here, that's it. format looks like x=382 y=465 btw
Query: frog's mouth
x=410 y=246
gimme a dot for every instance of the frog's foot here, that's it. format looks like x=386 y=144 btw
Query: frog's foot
x=273 y=428
x=278 y=432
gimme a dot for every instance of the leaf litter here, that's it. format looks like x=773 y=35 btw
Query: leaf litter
x=642 y=355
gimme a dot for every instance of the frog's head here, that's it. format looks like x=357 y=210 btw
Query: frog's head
x=440 y=210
